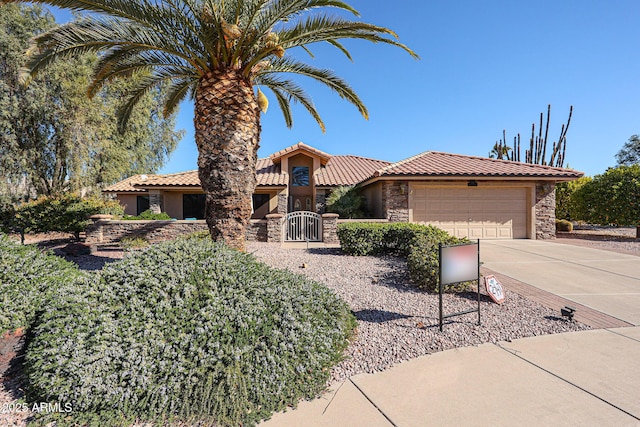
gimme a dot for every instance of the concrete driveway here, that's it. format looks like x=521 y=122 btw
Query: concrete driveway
x=605 y=281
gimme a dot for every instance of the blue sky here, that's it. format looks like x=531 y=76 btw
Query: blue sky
x=486 y=66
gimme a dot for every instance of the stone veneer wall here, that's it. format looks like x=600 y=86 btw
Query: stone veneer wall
x=330 y=228
x=282 y=203
x=109 y=231
x=395 y=200
x=545 y=210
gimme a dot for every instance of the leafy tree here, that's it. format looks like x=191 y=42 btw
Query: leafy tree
x=54 y=138
x=215 y=51
x=347 y=202
x=612 y=198
x=629 y=154
x=566 y=207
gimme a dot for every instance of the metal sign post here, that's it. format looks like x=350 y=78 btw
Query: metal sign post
x=458 y=263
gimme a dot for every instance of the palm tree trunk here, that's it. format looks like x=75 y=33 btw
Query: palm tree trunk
x=227 y=133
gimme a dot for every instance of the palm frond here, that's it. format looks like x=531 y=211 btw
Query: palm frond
x=327 y=77
x=287 y=91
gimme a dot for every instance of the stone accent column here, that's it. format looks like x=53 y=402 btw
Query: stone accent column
x=274 y=228
x=321 y=201
x=545 y=210
x=282 y=202
x=156 y=201
x=94 y=231
x=396 y=200
x=330 y=228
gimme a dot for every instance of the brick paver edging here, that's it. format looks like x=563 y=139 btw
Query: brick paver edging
x=584 y=314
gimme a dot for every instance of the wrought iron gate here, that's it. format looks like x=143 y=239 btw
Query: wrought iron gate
x=302 y=226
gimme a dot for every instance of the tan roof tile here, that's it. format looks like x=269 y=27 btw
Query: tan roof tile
x=347 y=170
x=180 y=179
x=128 y=185
x=437 y=164
x=324 y=157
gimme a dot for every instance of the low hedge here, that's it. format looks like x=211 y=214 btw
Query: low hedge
x=27 y=276
x=185 y=331
x=361 y=238
x=419 y=243
x=147 y=215
x=564 y=225
x=424 y=264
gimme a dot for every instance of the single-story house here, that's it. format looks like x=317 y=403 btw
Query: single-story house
x=467 y=196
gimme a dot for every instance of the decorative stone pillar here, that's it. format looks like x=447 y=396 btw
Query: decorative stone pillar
x=274 y=228
x=396 y=200
x=156 y=201
x=545 y=210
x=282 y=202
x=330 y=228
x=94 y=232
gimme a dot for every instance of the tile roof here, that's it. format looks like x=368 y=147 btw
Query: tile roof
x=348 y=170
x=437 y=164
x=128 y=185
x=351 y=170
x=324 y=157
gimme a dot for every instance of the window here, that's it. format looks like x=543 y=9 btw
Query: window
x=300 y=176
x=259 y=200
x=142 y=204
x=309 y=203
x=193 y=206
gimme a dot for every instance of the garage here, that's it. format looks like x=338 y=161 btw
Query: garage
x=473 y=212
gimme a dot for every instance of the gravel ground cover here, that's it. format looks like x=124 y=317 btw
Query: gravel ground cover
x=397 y=322
x=615 y=239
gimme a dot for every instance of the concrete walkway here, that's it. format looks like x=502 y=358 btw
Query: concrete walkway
x=588 y=378
x=606 y=281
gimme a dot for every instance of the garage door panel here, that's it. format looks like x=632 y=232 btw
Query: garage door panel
x=476 y=213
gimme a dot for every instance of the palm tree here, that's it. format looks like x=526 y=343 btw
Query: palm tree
x=216 y=52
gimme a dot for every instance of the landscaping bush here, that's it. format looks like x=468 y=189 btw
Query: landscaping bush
x=67 y=213
x=564 y=225
x=419 y=243
x=147 y=215
x=423 y=261
x=27 y=276
x=612 y=198
x=346 y=201
x=389 y=238
x=187 y=330
x=566 y=206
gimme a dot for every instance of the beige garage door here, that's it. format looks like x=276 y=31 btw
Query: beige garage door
x=476 y=213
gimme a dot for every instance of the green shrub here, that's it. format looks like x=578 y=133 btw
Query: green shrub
x=346 y=201
x=148 y=215
x=27 y=276
x=423 y=261
x=566 y=206
x=612 y=198
x=187 y=330
x=389 y=238
x=66 y=213
x=564 y=225
x=129 y=242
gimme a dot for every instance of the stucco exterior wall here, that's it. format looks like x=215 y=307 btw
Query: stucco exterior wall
x=129 y=202
x=173 y=204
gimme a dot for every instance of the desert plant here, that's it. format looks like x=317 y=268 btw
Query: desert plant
x=147 y=215
x=347 y=202
x=27 y=276
x=131 y=242
x=187 y=330
x=564 y=225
